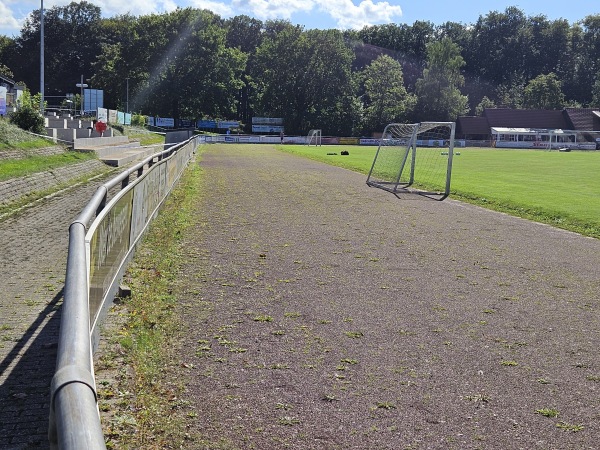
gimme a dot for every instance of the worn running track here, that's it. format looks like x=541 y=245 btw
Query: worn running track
x=326 y=314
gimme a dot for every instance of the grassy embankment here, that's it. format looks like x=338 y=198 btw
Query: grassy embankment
x=557 y=188
x=142 y=135
x=15 y=140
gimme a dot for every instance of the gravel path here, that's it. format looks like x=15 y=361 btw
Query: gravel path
x=325 y=314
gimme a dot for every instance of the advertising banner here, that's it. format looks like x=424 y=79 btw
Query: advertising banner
x=369 y=141
x=267 y=121
x=108 y=246
x=145 y=200
x=2 y=101
x=204 y=123
x=267 y=128
x=168 y=122
x=228 y=124
x=102 y=115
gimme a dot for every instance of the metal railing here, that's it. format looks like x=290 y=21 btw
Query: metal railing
x=102 y=239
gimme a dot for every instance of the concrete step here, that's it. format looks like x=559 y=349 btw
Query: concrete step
x=127 y=155
x=106 y=150
x=93 y=143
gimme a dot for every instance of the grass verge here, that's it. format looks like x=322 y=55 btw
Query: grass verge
x=139 y=383
x=12 y=137
x=144 y=136
x=15 y=168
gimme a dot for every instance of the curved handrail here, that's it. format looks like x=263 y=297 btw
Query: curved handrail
x=74 y=418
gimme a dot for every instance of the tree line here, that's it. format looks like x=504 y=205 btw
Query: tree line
x=192 y=63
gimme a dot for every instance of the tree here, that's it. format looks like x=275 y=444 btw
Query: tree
x=544 y=92
x=27 y=116
x=500 y=45
x=70 y=42
x=305 y=77
x=6 y=47
x=245 y=34
x=385 y=97
x=510 y=94
x=483 y=104
x=596 y=92
x=178 y=66
x=5 y=71
x=438 y=94
x=405 y=43
x=588 y=58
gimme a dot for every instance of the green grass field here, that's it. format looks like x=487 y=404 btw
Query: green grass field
x=558 y=188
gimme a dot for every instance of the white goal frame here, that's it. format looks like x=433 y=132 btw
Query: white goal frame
x=415 y=159
x=313 y=138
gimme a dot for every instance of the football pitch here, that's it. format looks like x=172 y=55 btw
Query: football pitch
x=558 y=188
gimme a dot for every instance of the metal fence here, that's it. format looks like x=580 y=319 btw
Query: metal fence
x=102 y=239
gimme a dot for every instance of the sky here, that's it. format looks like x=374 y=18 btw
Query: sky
x=322 y=14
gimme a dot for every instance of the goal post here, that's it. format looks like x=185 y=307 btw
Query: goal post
x=414 y=159
x=313 y=138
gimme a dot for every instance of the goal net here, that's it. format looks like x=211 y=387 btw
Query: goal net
x=314 y=137
x=414 y=158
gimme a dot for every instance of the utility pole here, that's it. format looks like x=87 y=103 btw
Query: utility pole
x=127 y=98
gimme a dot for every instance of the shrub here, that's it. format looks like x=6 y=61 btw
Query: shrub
x=138 y=120
x=29 y=119
x=117 y=126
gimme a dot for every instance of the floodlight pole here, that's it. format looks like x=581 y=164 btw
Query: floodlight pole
x=42 y=57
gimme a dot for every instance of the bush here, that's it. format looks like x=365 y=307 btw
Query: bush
x=138 y=120
x=28 y=119
x=117 y=126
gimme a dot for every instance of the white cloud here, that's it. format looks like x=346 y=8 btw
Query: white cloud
x=345 y=13
x=219 y=8
x=272 y=9
x=348 y=15
x=133 y=7
x=8 y=23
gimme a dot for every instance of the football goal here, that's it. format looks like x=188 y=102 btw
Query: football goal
x=414 y=159
x=314 y=137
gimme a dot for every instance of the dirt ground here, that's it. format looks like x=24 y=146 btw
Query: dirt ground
x=324 y=314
